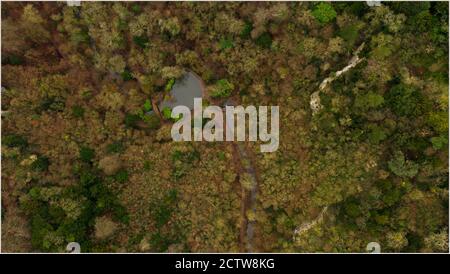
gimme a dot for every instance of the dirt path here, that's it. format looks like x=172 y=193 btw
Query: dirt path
x=244 y=164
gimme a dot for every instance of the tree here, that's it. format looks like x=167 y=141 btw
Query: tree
x=405 y=100
x=402 y=167
x=110 y=164
x=324 y=13
x=222 y=88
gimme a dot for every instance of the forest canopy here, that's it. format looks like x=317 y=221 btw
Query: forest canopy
x=87 y=155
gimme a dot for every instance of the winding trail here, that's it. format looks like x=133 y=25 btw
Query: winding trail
x=315 y=107
x=315 y=97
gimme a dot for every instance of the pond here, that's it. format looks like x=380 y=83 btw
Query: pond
x=184 y=91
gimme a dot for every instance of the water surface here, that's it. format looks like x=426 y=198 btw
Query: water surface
x=183 y=92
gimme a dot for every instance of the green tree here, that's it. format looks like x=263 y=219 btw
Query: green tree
x=324 y=13
x=402 y=167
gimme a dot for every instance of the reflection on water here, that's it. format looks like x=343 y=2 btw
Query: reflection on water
x=183 y=92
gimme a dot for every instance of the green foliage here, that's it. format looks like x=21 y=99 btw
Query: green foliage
x=126 y=75
x=439 y=142
x=402 y=167
x=411 y=9
x=116 y=147
x=225 y=43
x=438 y=120
x=52 y=103
x=51 y=225
x=350 y=34
x=78 y=111
x=247 y=30
x=86 y=154
x=147 y=165
x=121 y=176
x=344 y=157
x=368 y=100
x=81 y=36
x=147 y=105
x=391 y=195
x=352 y=209
x=136 y=8
x=169 y=84
x=131 y=120
x=376 y=134
x=405 y=100
x=222 y=89
x=182 y=162
x=14 y=140
x=152 y=120
x=141 y=41
x=41 y=164
x=167 y=113
x=264 y=40
x=324 y=13
x=14 y=60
